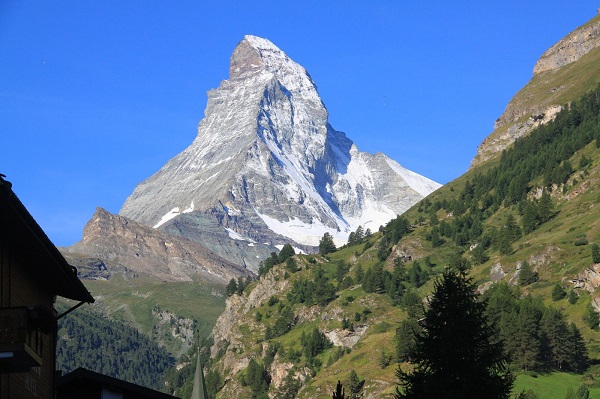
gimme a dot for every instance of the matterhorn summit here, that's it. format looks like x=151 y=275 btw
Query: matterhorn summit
x=266 y=168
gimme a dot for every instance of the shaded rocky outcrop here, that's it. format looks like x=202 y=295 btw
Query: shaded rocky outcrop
x=555 y=82
x=588 y=279
x=569 y=49
x=128 y=245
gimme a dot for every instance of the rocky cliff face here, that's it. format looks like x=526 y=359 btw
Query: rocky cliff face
x=127 y=245
x=574 y=46
x=267 y=166
x=560 y=75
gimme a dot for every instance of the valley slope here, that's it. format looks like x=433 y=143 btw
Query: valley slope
x=525 y=216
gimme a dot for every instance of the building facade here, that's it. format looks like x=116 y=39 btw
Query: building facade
x=32 y=274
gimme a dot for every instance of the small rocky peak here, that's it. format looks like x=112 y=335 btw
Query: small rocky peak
x=244 y=59
x=571 y=48
x=101 y=223
x=254 y=54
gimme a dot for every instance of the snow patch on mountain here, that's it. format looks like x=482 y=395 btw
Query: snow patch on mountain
x=172 y=213
x=236 y=236
x=296 y=250
x=420 y=184
x=305 y=233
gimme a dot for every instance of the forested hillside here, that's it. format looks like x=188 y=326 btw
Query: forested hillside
x=525 y=227
x=94 y=342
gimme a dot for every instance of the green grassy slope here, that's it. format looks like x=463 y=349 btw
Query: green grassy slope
x=556 y=87
x=559 y=249
x=137 y=302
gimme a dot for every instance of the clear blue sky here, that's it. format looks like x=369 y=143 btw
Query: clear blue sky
x=95 y=96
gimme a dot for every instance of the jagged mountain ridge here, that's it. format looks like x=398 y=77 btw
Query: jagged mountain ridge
x=266 y=164
x=133 y=247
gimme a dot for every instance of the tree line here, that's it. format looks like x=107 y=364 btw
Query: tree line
x=539 y=161
x=94 y=342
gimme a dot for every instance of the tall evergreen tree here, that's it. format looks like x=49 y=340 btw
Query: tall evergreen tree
x=578 y=360
x=512 y=229
x=595 y=253
x=582 y=392
x=258 y=378
x=339 y=391
x=545 y=207
x=591 y=317
x=527 y=275
x=555 y=338
x=326 y=244
x=286 y=252
x=289 y=388
x=558 y=292
x=231 y=287
x=521 y=334
x=530 y=217
x=456 y=355
x=406 y=339
x=355 y=385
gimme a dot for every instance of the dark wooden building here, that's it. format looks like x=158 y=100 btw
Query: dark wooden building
x=32 y=274
x=82 y=383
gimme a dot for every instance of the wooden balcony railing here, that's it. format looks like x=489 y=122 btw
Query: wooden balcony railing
x=20 y=343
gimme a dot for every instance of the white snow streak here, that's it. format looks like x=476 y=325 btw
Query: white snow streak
x=297 y=250
x=237 y=236
x=172 y=213
x=420 y=184
x=306 y=233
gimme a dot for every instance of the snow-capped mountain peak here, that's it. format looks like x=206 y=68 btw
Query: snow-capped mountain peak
x=267 y=164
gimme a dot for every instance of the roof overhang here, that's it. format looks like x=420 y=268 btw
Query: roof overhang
x=42 y=260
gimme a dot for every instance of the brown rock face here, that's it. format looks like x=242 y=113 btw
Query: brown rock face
x=574 y=46
x=142 y=249
x=550 y=88
x=588 y=279
x=245 y=58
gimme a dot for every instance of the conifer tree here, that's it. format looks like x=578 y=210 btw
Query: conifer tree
x=578 y=360
x=326 y=244
x=289 y=388
x=545 y=207
x=527 y=275
x=511 y=227
x=456 y=355
x=355 y=385
x=406 y=339
x=339 y=391
x=530 y=217
x=555 y=338
x=558 y=292
x=359 y=234
x=582 y=392
x=286 y=252
x=591 y=317
x=521 y=334
x=359 y=273
x=570 y=394
x=352 y=238
x=231 y=287
x=595 y=253
x=573 y=297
